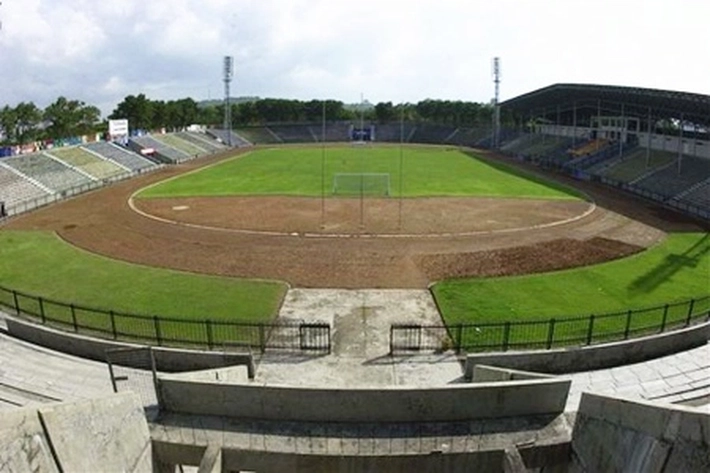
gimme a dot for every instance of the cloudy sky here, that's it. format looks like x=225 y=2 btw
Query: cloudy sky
x=398 y=50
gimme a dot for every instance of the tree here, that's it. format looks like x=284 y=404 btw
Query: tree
x=137 y=109
x=70 y=118
x=8 y=123
x=384 y=112
x=20 y=124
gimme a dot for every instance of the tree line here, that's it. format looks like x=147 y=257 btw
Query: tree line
x=26 y=122
x=64 y=118
x=144 y=113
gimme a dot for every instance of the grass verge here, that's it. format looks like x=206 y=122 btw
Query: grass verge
x=676 y=270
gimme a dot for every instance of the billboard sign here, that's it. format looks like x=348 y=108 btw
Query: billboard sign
x=118 y=127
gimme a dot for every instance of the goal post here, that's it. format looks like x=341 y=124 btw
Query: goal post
x=375 y=184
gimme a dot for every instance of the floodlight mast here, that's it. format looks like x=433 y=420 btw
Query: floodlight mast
x=496 y=108
x=228 y=72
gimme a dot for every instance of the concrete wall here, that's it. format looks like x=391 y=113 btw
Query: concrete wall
x=24 y=446
x=109 y=434
x=620 y=435
x=397 y=404
x=573 y=359
x=483 y=374
x=232 y=459
x=166 y=359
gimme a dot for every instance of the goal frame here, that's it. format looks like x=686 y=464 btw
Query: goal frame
x=365 y=186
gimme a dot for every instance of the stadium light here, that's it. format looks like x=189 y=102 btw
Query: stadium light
x=228 y=73
x=497 y=74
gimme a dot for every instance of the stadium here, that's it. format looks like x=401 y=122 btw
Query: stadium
x=373 y=296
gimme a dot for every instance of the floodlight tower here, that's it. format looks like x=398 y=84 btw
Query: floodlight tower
x=228 y=72
x=496 y=108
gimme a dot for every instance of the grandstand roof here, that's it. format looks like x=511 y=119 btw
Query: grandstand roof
x=636 y=101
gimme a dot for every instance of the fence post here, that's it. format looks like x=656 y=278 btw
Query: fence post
x=156 y=324
x=459 y=338
x=628 y=324
x=690 y=312
x=73 y=318
x=664 y=318
x=391 y=339
x=208 y=326
x=113 y=324
x=551 y=333
x=590 y=329
x=41 y=310
x=262 y=338
x=506 y=336
x=17 y=302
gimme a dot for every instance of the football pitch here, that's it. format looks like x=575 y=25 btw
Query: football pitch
x=413 y=171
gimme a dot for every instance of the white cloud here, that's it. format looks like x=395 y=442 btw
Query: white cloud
x=388 y=49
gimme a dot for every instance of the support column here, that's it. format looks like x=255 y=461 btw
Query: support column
x=622 y=132
x=680 y=143
x=574 y=124
x=648 y=141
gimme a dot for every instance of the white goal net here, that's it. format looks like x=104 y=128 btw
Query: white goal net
x=377 y=184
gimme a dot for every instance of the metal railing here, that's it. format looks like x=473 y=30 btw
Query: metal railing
x=550 y=333
x=166 y=331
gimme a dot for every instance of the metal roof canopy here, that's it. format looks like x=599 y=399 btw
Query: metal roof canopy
x=632 y=101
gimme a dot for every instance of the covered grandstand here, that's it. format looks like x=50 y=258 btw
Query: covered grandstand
x=655 y=143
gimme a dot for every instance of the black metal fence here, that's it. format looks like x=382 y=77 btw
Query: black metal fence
x=165 y=331
x=550 y=333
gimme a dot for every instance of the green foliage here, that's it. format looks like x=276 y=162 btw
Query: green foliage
x=41 y=264
x=68 y=118
x=426 y=171
x=20 y=124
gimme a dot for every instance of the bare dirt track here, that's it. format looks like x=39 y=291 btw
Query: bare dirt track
x=502 y=234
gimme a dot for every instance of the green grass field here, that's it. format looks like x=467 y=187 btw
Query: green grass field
x=676 y=270
x=40 y=263
x=297 y=171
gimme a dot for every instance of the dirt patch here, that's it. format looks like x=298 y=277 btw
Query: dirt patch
x=374 y=216
x=539 y=257
x=102 y=222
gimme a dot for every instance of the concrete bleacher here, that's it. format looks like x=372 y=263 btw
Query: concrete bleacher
x=520 y=143
x=161 y=151
x=180 y=144
x=201 y=140
x=47 y=171
x=119 y=155
x=431 y=133
x=673 y=179
x=635 y=164
x=334 y=132
x=590 y=147
x=15 y=189
x=550 y=147
x=699 y=195
x=258 y=135
x=392 y=132
x=293 y=133
x=224 y=136
x=88 y=162
x=465 y=136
